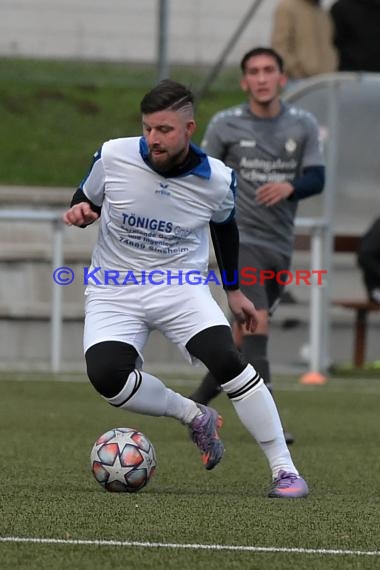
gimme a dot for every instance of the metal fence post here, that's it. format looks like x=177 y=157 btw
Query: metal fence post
x=318 y=228
x=56 y=299
x=162 y=43
x=316 y=301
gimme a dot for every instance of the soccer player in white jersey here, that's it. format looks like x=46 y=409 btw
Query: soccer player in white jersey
x=156 y=197
x=276 y=153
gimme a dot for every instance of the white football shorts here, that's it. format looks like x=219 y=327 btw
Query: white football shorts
x=129 y=313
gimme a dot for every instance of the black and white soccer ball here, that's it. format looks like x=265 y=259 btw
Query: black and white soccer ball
x=123 y=460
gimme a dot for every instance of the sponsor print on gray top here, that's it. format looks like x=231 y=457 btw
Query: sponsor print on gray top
x=260 y=151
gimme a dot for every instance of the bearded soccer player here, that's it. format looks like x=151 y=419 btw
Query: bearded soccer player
x=156 y=196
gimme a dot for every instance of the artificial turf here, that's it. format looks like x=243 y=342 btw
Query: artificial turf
x=48 y=427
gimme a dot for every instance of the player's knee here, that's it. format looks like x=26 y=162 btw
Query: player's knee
x=228 y=364
x=216 y=349
x=108 y=366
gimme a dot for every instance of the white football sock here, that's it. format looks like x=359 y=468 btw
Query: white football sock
x=258 y=413
x=146 y=394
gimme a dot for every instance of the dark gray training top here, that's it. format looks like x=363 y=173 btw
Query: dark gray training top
x=260 y=151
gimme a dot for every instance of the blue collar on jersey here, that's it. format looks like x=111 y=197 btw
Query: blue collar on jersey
x=202 y=169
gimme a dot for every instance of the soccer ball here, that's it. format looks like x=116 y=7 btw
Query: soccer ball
x=123 y=460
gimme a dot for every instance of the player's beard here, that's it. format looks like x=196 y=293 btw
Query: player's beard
x=165 y=162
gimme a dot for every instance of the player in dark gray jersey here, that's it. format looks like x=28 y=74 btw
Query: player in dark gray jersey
x=276 y=152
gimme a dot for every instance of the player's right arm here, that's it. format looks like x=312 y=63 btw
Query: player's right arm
x=86 y=204
x=80 y=214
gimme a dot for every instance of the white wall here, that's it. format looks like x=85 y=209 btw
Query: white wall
x=127 y=29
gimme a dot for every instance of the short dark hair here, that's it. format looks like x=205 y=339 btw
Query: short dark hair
x=168 y=94
x=262 y=51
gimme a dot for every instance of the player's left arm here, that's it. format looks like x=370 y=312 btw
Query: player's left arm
x=312 y=178
x=225 y=239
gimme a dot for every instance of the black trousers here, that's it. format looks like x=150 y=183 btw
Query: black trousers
x=369 y=257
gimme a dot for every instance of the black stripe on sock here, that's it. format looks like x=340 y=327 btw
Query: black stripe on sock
x=138 y=380
x=246 y=388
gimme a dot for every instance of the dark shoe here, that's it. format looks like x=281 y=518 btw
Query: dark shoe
x=289 y=437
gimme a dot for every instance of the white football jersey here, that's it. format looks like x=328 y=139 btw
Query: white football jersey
x=149 y=221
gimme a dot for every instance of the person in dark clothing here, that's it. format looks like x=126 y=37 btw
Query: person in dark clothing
x=357 y=34
x=369 y=260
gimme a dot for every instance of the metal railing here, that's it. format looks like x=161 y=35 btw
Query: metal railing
x=55 y=219
x=319 y=235
x=316 y=227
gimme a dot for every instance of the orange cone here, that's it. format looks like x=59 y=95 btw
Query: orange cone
x=315 y=378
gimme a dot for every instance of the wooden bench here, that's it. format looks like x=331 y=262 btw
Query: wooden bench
x=361 y=308
x=343 y=243
x=346 y=243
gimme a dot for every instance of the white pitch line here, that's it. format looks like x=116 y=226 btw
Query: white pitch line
x=241 y=548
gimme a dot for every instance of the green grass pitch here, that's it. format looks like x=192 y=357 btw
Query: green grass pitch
x=48 y=427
